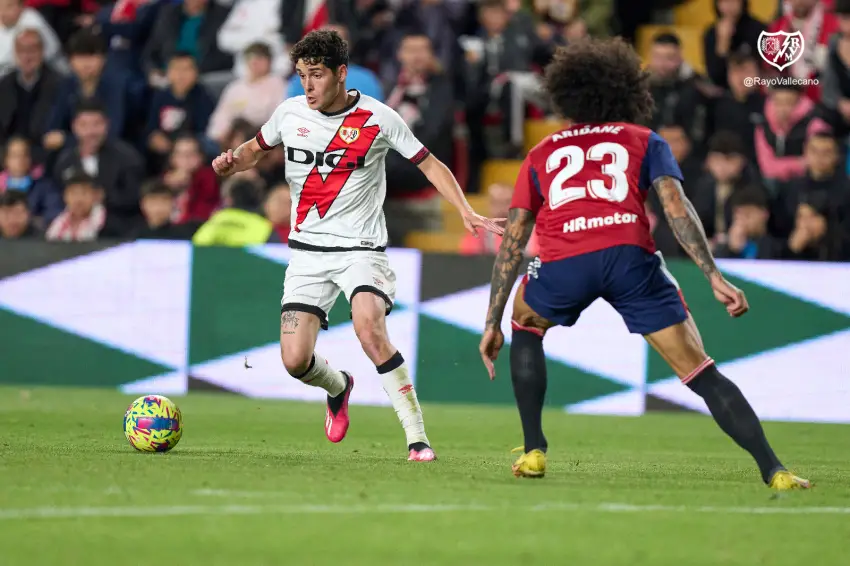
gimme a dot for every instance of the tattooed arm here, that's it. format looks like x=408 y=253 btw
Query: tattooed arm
x=686 y=226
x=685 y=223
x=517 y=232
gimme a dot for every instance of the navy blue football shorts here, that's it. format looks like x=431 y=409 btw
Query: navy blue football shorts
x=632 y=280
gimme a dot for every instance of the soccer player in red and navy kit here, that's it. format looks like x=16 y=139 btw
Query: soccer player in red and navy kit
x=584 y=188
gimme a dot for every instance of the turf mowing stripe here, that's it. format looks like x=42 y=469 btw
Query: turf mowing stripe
x=83 y=512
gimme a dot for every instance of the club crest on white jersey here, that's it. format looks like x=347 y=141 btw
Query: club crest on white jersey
x=349 y=135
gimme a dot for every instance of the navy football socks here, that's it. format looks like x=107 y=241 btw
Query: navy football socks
x=528 y=375
x=736 y=417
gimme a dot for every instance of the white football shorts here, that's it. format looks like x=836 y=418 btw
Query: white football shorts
x=314 y=280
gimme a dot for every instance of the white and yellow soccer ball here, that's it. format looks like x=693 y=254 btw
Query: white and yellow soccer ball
x=153 y=423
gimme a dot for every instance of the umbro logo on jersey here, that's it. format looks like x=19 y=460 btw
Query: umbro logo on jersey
x=320 y=158
x=302 y=132
x=349 y=135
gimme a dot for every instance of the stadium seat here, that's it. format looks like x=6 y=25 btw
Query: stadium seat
x=536 y=130
x=691 y=37
x=696 y=13
x=764 y=10
x=435 y=242
x=701 y=13
x=499 y=171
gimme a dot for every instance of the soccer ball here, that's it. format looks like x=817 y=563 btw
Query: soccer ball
x=153 y=424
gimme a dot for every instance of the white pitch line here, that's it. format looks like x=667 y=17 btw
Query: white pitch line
x=233 y=493
x=175 y=510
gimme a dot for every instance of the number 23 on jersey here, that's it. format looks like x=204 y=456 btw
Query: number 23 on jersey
x=613 y=162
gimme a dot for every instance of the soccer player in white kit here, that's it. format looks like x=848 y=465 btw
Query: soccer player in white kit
x=336 y=142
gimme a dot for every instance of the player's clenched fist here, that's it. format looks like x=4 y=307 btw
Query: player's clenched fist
x=732 y=297
x=223 y=164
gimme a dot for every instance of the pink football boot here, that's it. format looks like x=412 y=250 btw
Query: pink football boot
x=336 y=423
x=425 y=454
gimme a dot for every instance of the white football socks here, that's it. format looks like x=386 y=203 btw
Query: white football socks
x=396 y=381
x=323 y=375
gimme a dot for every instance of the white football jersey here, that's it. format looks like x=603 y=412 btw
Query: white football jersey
x=335 y=169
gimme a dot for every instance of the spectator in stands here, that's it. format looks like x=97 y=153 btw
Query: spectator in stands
x=682 y=148
x=575 y=30
x=734 y=31
x=630 y=15
x=84 y=218
x=374 y=22
x=88 y=80
x=789 y=118
x=15 y=18
x=66 y=16
x=748 y=237
x=573 y=17
x=359 y=78
x=43 y=197
x=240 y=131
x=300 y=17
x=157 y=208
x=423 y=97
x=125 y=26
x=499 y=198
x=674 y=86
x=116 y=166
x=189 y=27
x=692 y=170
x=741 y=107
x=499 y=81
x=727 y=172
x=278 y=210
x=28 y=92
x=823 y=176
x=192 y=181
x=272 y=169
x=15 y=221
x=183 y=106
x=432 y=18
x=817 y=25
x=251 y=22
x=238 y=224
x=835 y=82
x=817 y=236
x=253 y=98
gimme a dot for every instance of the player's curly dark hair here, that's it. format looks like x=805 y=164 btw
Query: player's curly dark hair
x=599 y=80
x=322 y=46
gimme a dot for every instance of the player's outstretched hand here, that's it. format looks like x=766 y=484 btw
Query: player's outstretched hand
x=473 y=222
x=491 y=343
x=729 y=295
x=224 y=164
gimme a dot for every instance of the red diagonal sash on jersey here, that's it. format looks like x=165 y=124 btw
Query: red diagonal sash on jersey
x=323 y=192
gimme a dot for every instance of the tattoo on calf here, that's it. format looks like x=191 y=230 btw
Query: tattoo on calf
x=288 y=322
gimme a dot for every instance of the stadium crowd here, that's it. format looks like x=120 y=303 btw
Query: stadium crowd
x=112 y=135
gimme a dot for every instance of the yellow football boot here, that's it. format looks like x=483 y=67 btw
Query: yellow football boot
x=529 y=465
x=783 y=480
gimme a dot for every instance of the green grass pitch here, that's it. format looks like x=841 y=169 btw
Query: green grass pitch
x=256 y=483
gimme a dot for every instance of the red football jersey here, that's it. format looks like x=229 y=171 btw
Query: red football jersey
x=587 y=185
